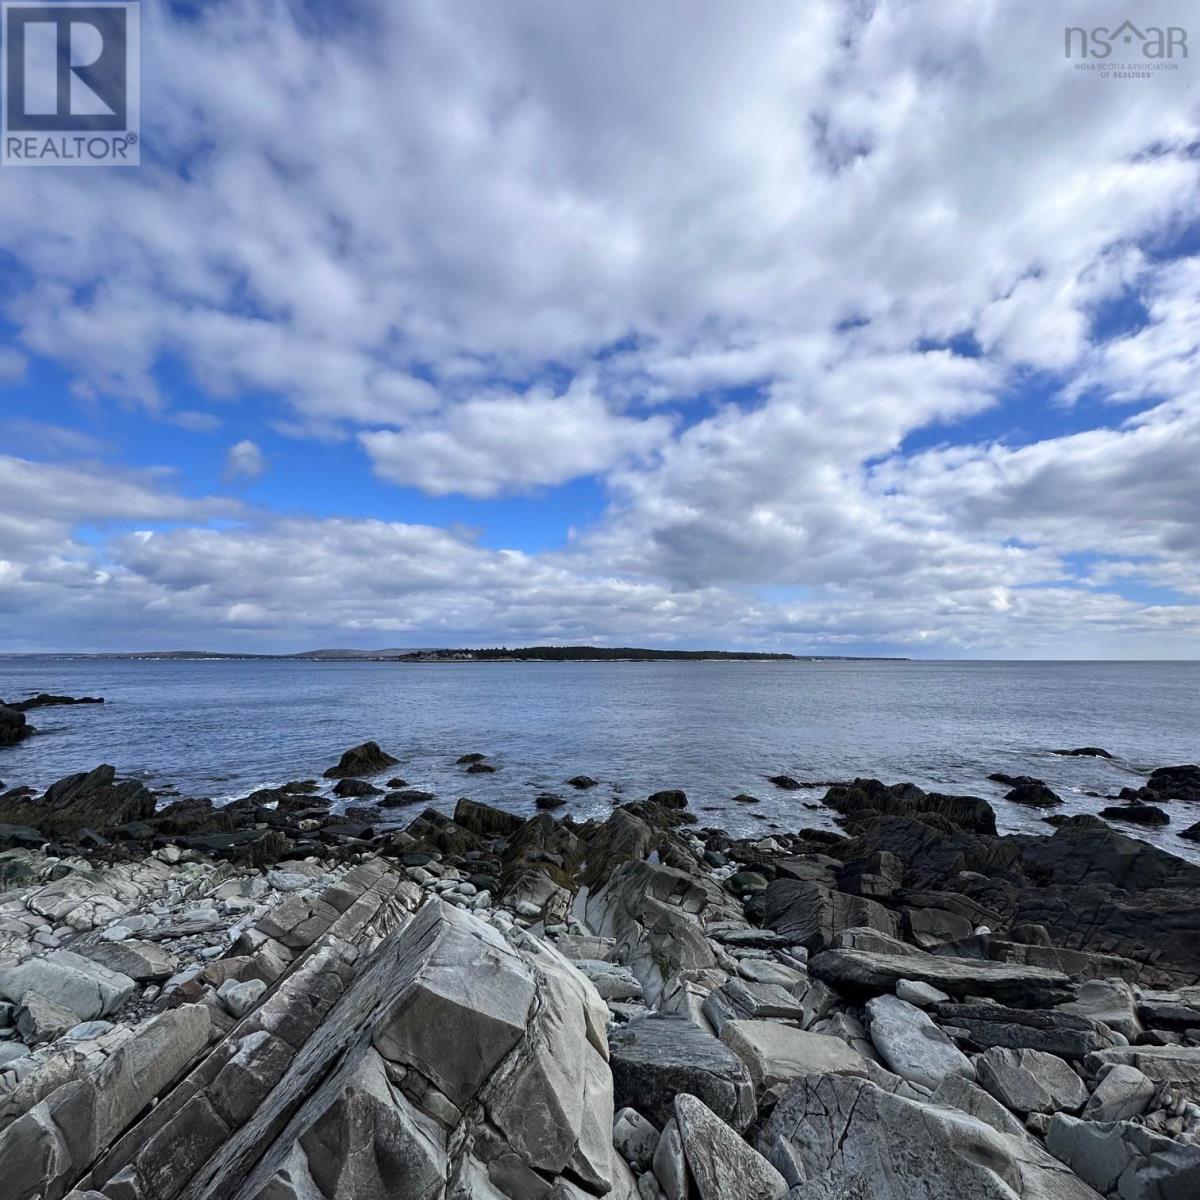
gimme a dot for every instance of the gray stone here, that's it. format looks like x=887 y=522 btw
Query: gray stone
x=670 y=1166
x=40 y=1020
x=1161 y=1064
x=1030 y=1081
x=860 y=972
x=240 y=998
x=611 y=980
x=740 y=999
x=775 y=1054
x=839 y=1138
x=957 y=1092
x=1110 y=1001
x=1126 y=1161
x=923 y=995
x=141 y=961
x=635 y=1138
x=912 y=1045
x=656 y=1058
x=1122 y=1094
x=1052 y=1031
x=722 y=1166
x=809 y=914
x=88 y=989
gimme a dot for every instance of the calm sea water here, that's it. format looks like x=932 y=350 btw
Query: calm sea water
x=222 y=728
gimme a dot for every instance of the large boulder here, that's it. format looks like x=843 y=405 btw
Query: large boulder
x=485 y=821
x=1125 y=1161
x=809 y=915
x=13 y=726
x=868 y=796
x=1030 y=1081
x=657 y=917
x=655 y=1058
x=912 y=1045
x=838 y=1137
x=367 y=759
x=68 y=980
x=775 y=1054
x=89 y=800
x=1052 y=1031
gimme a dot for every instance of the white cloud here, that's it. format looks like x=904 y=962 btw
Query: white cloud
x=502 y=247
x=244 y=461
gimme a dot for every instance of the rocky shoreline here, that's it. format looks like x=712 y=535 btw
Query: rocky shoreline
x=272 y=1001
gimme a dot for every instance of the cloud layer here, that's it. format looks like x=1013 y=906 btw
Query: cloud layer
x=875 y=324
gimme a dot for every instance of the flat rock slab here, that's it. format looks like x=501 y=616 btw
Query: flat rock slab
x=836 y=1136
x=775 y=1054
x=656 y=1058
x=864 y=973
x=1052 y=1031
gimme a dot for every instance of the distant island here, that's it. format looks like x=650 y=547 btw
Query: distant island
x=492 y=654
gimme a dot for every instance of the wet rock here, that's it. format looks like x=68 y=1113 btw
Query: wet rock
x=1030 y=1081
x=1175 y=783
x=406 y=798
x=367 y=759
x=657 y=1057
x=548 y=801
x=865 y=798
x=912 y=1045
x=1121 y=1159
x=722 y=1166
x=13 y=726
x=485 y=821
x=89 y=800
x=1136 y=813
x=745 y=798
x=582 y=782
x=1034 y=795
x=1083 y=752
x=672 y=798
x=353 y=788
x=481 y=768
x=785 y=782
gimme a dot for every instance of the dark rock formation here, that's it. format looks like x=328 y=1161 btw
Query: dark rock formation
x=367 y=759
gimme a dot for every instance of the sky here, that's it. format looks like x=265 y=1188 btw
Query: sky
x=836 y=327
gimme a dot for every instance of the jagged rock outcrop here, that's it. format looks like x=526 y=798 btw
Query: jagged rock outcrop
x=367 y=759
x=91 y=799
x=13 y=726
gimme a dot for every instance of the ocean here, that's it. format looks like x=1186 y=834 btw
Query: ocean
x=221 y=728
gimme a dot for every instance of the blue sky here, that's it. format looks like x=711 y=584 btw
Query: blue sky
x=700 y=327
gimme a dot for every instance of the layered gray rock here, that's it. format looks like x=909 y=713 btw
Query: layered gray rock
x=775 y=1053
x=1049 y=1030
x=1030 y=1081
x=1125 y=1161
x=839 y=1137
x=70 y=981
x=863 y=973
x=1122 y=1093
x=809 y=914
x=658 y=1057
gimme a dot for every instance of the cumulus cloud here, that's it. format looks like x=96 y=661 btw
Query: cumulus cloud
x=779 y=277
x=244 y=462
